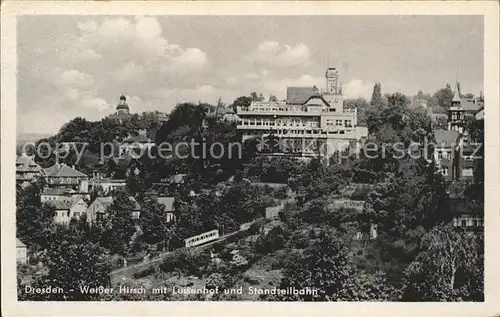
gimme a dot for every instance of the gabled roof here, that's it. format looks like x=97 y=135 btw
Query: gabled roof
x=27 y=163
x=168 y=202
x=19 y=244
x=446 y=137
x=65 y=204
x=318 y=97
x=299 y=95
x=63 y=170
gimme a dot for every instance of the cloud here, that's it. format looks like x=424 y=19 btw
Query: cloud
x=358 y=88
x=274 y=54
x=84 y=69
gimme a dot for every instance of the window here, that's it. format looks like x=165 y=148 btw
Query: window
x=464 y=223
x=329 y=122
x=445 y=171
x=332 y=109
x=348 y=123
x=338 y=122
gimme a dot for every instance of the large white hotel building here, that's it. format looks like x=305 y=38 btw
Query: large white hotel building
x=308 y=124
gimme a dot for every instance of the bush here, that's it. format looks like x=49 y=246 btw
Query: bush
x=272 y=241
x=143 y=273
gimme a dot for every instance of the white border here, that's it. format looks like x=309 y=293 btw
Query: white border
x=11 y=9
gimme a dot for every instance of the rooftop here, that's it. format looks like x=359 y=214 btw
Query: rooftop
x=299 y=95
x=63 y=170
x=446 y=137
x=27 y=163
x=168 y=202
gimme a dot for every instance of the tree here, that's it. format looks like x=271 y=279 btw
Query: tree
x=121 y=226
x=376 y=100
x=154 y=224
x=273 y=98
x=444 y=96
x=73 y=267
x=34 y=220
x=450 y=267
x=324 y=268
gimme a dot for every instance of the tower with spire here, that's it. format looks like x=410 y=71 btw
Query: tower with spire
x=456 y=111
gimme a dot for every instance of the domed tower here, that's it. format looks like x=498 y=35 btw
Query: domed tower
x=122 y=107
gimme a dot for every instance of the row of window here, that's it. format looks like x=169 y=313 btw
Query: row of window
x=338 y=123
x=64 y=213
x=204 y=236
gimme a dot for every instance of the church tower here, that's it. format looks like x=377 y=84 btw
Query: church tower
x=332 y=81
x=122 y=107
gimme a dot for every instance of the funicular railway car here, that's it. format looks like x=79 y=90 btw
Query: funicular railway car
x=201 y=238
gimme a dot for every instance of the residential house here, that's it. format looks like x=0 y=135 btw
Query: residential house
x=68 y=209
x=447 y=153
x=27 y=170
x=461 y=108
x=468 y=221
x=98 y=209
x=62 y=175
x=137 y=144
x=168 y=202
x=21 y=252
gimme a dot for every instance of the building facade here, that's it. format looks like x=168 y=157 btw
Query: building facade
x=62 y=175
x=68 y=209
x=27 y=170
x=308 y=124
x=98 y=209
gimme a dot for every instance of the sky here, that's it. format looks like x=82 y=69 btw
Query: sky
x=71 y=66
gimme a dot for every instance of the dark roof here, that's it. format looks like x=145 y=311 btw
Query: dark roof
x=299 y=95
x=63 y=170
x=446 y=137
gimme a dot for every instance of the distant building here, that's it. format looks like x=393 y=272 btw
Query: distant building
x=468 y=221
x=136 y=144
x=168 y=202
x=446 y=152
x=98 y=209
x=461 y=108
x=27 y=170
x=68 y=209
x=63 y=175
x=21 y=252
x=107 y=184
x=122 y=110
x=307 y=116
